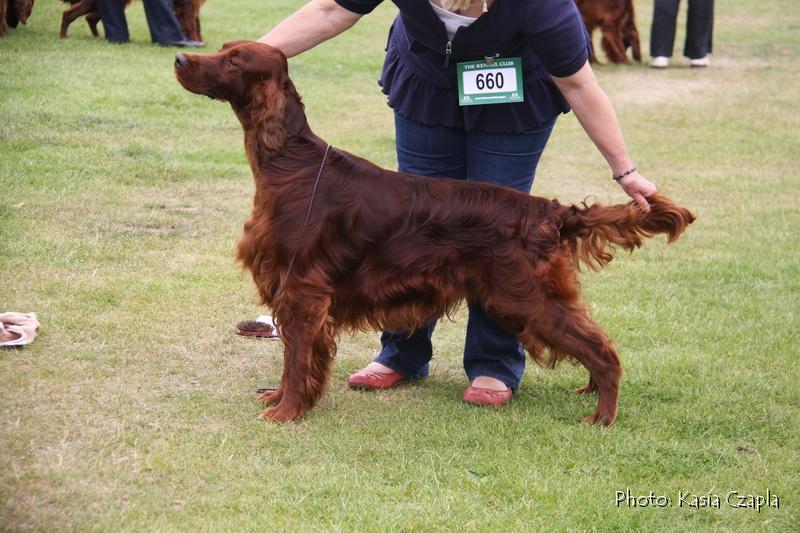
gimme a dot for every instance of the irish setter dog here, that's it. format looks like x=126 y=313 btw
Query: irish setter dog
x=336 y=242
x=617 y=22
x=12 y=12
x=186 y=11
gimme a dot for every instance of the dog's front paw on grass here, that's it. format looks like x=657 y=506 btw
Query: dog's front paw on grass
x=280 y=414
x=272 y=397
x=600 y=419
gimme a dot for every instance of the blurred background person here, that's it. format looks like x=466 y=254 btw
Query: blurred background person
x=699 y=26
x=164 y=26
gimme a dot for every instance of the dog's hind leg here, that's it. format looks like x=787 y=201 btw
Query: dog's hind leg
x=73 y=12
x=631 y=32
x=92 y=19
x=549 y=313
x=565 y=326
x=636 y=47
x=307 y=332
x=632 y=40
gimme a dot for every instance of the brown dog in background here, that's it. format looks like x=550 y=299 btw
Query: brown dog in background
x=335 y=242
x=12 y=12
x=617 y=22
x=186 y=11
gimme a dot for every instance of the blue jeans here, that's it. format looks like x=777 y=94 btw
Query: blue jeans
x=502 y=159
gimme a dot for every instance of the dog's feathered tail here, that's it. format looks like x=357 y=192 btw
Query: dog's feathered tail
x=592 y=231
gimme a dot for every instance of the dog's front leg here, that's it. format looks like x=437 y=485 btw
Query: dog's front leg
x=308 y=335
x=92 y=19
x=612 y=45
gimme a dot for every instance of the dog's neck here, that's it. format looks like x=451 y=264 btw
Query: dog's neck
x=301 y=143
x=294 y=122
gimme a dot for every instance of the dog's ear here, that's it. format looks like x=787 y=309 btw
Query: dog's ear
x=269 y=107
x=231 y=44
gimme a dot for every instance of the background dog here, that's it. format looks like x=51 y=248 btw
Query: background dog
x=186 y=11
x=617 y=22
x=12 y=12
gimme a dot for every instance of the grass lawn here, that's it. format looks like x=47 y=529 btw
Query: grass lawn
x=122 y=197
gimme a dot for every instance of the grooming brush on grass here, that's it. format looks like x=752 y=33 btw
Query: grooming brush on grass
x=261 y=327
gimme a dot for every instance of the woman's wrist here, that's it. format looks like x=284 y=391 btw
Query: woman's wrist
x=623 y=174
x=619 y=163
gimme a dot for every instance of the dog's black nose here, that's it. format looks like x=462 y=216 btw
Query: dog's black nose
x=181 y=61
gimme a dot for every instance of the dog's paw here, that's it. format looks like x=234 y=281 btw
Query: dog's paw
x=600 y=419
x=588 y=389
x=280 y=414
x=272 y=397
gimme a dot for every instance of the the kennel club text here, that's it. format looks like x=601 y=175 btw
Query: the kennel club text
x=698 y=501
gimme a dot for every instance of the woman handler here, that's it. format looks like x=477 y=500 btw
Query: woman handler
x=520 y=64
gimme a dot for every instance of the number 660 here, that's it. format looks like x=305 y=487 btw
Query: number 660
x=490 y=80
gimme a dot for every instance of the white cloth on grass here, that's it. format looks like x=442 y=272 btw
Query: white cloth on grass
x=17 y=329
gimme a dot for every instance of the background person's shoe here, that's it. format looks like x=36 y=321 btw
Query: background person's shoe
x=659 y=62
x=699 y=62
x=480 y=396
x=370 y=380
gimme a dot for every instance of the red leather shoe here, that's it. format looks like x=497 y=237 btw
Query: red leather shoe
x=367 y=379
x=480 y=396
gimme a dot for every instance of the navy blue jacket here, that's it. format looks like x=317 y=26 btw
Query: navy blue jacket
x=419 y=76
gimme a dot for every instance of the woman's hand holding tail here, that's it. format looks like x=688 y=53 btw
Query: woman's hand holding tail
x=638 y=188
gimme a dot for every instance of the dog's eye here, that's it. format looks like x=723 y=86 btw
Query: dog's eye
x=232 y=62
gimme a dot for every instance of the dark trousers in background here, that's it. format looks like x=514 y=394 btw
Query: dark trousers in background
x=164 y=27
x=699 y=27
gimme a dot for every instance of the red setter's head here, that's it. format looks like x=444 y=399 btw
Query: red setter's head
x=252 y=76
